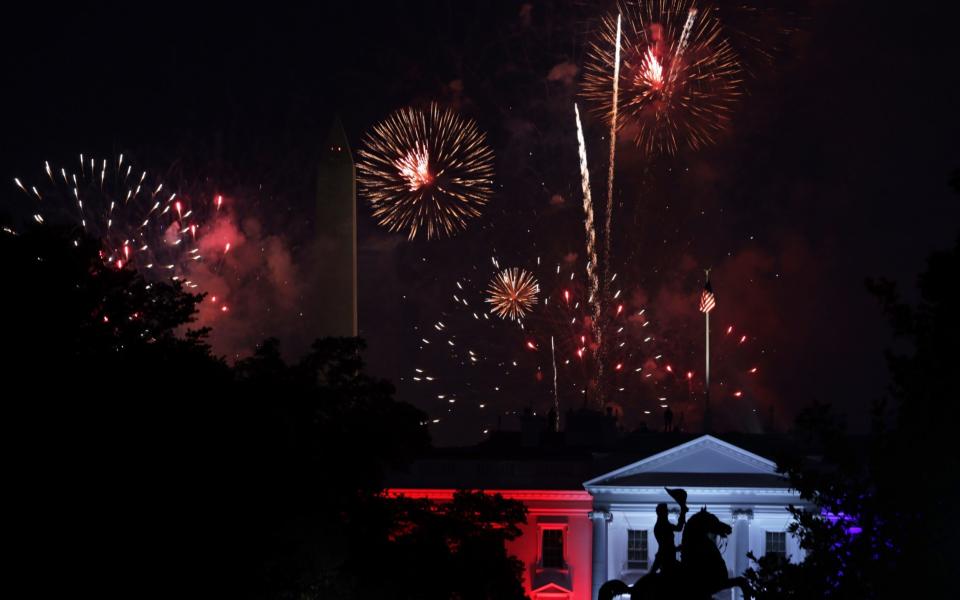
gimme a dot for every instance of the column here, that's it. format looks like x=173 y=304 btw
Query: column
x=741 y=543
x=600 y=519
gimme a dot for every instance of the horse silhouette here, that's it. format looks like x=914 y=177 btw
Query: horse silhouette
x=701 y=572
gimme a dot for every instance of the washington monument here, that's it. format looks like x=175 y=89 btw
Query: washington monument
x=337 y=235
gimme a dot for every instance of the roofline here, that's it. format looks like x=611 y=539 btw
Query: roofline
x=668 y=451
x=699 y=489
x=446 y=494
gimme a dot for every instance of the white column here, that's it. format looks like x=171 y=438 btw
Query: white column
x=600 y=519
x=741 y=543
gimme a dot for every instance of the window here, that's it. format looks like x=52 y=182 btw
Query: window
x=637 y=552
x=551 y=549
x=776 y=543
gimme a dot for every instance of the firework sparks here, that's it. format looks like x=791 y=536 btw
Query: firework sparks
x=415 y=168
x=608 y=213
x=651 y=71
x=513 y=293
x=556 y=394
x=608 y=216
x=592 y=278
x=426 y=170
x=656 y=369
x=679 y=78
x=123 y=215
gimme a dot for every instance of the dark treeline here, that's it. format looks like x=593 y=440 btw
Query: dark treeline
x=143 y=465
x=884 y=523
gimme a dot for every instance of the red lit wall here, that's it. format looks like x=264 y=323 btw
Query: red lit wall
x=547 y=509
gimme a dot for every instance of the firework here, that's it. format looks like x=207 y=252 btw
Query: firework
x=136 y=220
x=426 y=170
x=679 y=77
x=556 y=394
x=592 y=278
x=608 y=213
x=648 y=364
x=492 y=355
x=513 y=293
x=608 y=216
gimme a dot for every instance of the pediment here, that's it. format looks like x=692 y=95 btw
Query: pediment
x=552 y=588
x=705 y=456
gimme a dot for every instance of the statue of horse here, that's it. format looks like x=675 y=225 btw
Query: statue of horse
x=701 y=573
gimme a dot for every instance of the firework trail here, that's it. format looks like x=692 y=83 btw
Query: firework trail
x=592 y=278
x=680 y=76
x=608 y=214
x=556 y=394
x=426 y=170
x=513 y=293
x=613 y=149
x=685 y=34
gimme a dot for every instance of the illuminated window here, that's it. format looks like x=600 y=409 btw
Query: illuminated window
x=551 y=549
x=776 y=543
x=637 y=551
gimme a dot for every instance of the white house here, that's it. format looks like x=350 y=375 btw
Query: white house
x=581 y=534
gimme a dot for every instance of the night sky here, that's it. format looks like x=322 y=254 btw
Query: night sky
x=836 y=168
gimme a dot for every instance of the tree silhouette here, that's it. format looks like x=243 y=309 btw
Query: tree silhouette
x=463 y=541
x=109 y=408
x=884 y=524
x=149 y=467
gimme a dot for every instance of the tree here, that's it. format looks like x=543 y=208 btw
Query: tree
x=149 y=467
x=108 y=411
x=319 y=435
x=436 y=551
x=315 y=438
x=884 y=524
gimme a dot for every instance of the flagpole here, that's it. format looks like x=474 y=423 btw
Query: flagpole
x=706 y=409
x=706 y=396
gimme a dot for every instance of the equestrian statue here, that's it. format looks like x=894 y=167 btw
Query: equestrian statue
x=701 y=570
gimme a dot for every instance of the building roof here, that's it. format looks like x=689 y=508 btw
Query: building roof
x=701 y=480
x=637 y=460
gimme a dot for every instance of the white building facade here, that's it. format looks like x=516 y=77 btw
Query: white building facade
x=740 y=488
x=576 y=539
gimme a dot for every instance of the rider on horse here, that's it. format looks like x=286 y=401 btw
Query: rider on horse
x=666 y=559
x=701 y=571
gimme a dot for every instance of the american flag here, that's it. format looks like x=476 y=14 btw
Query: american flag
x=708 y=301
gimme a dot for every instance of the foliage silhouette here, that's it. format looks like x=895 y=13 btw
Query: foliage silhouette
x=150 y=467
x=883 y=525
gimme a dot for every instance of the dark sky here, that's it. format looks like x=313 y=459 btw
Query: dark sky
x=836 y=168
